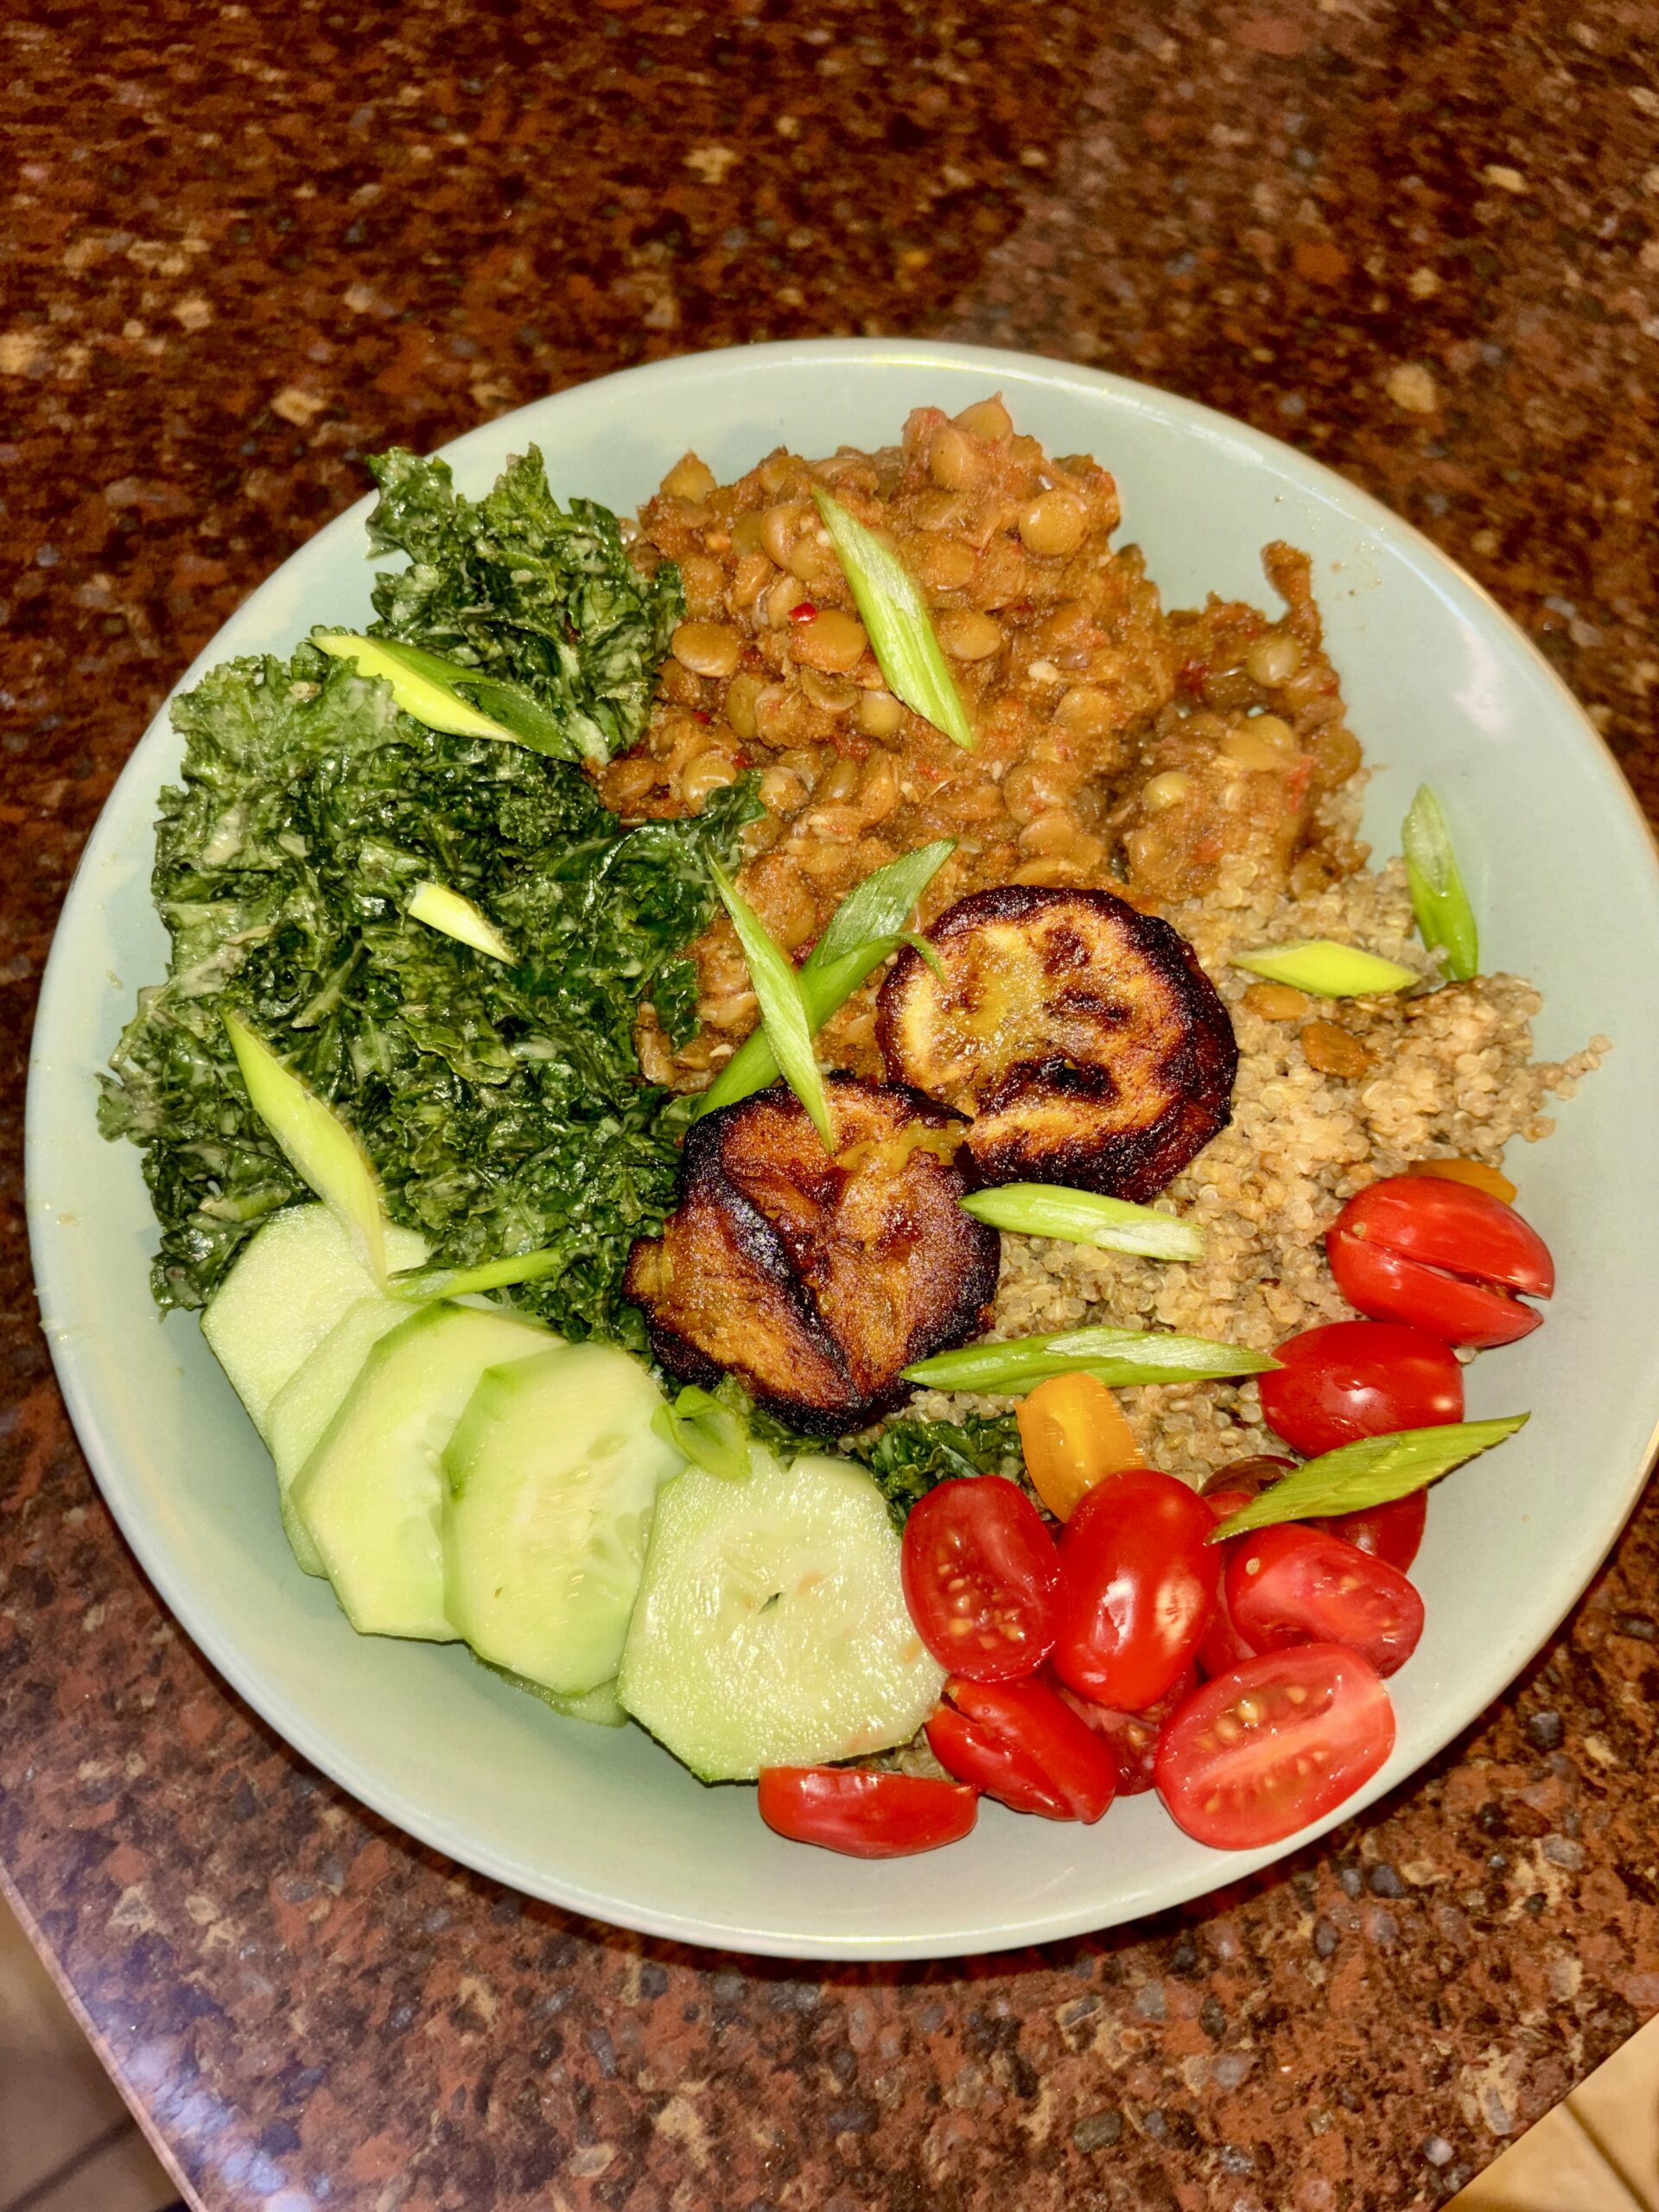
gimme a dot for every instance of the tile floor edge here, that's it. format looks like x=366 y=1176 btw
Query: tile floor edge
x=12 y=1897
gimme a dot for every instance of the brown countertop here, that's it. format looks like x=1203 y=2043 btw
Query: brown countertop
x=248 y=243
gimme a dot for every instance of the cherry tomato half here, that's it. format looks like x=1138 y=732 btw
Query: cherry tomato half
x=1273 y=1744
x=1222 y=1646
x=866 y=1815
x=982 y=1578
x=1351 y=1379
x=1392 y=1532
x=1440 y=1256
x=1073 y=1434
x=1132 y=1737
x=1137 y=1582
x=1017 y=1742
x=1289 y=1585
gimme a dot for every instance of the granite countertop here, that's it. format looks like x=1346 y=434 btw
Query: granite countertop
x=248 y=243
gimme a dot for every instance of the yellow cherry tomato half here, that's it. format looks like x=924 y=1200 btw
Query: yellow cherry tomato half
x=1074 y=1435
x=1475 y=1173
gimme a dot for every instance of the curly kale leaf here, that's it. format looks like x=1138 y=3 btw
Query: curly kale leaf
x=504 y=1108
x=518 y=587
x=911 y=1457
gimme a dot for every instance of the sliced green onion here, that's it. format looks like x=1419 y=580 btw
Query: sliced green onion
x=1085 y=1218
x=895 y=614
x=442 y=909
x=434 y=689
x=1374 y=1471
x=1327 y=969
x=924 y=950
x=859 y=935
x=317 y=1143
x=881 y=904
x=421 y=1285
x=1118 y=1357
x=1445 y=920
x=707 y=1433
x=783 y=1008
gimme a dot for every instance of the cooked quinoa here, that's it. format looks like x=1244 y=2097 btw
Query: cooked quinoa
x=1199 y=764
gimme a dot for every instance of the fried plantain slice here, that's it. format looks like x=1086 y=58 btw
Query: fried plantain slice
x=816 y=1280
x=1082 y=1036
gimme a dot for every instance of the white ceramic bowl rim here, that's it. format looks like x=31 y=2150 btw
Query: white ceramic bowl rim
x=1437 y=680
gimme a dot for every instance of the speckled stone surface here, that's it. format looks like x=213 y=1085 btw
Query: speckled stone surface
x=246 y=244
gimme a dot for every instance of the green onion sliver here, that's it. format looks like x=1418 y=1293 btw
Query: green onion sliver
x=421 y=684
x=434 y=689
x=421 y=1285
x=1086 y=1217
x=318 y=1145
x=881 y=903
x=1374 y=1471
x=440 y=908
x=783 y=1008
x=900 y=629
x=706 y=1433
x=1118 y=1357
x=859 y=935
x=1327 y=969
x=1445 y=920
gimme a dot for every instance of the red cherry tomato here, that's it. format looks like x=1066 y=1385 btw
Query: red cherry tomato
x=1131 y=1738
x=982 y=1578
x=1273 y=1744
x=1351 y=1379
x=1222 y=1647
x=1290 y=1585
x=1137 y=1582
x=1392 y=1532
x=1441 y=1257
x=866 y=1815
x=1017 y=1742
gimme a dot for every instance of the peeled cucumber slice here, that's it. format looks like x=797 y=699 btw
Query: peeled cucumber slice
x=313 y=1394
x=371 y=1494
x=600 y=1707
x=297 y=1277
x=552 y=1472
x=771 y=1628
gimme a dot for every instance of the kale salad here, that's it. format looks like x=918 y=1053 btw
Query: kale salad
x=501 y=1104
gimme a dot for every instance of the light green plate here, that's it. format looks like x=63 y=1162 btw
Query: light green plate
x=1439 y=683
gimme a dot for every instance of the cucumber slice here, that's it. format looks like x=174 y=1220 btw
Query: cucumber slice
x=292 y=1283
x=771 y=1628
x=313 y=1394
x=600 y=1707
x=552 y=1472
x=371 y=1493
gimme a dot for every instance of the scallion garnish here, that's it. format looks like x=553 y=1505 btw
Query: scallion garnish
x=318 y=1145
x=864 y=929
x=707 y=1433
x=421 y=1286
x=1445 y=920
x=1374 y=1471
x=783 y=1006
x=1327 y=969
x=442 y=909
x=894 y=613
x=1086 y=1217
x=1118 y=1357
x=446 y=694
